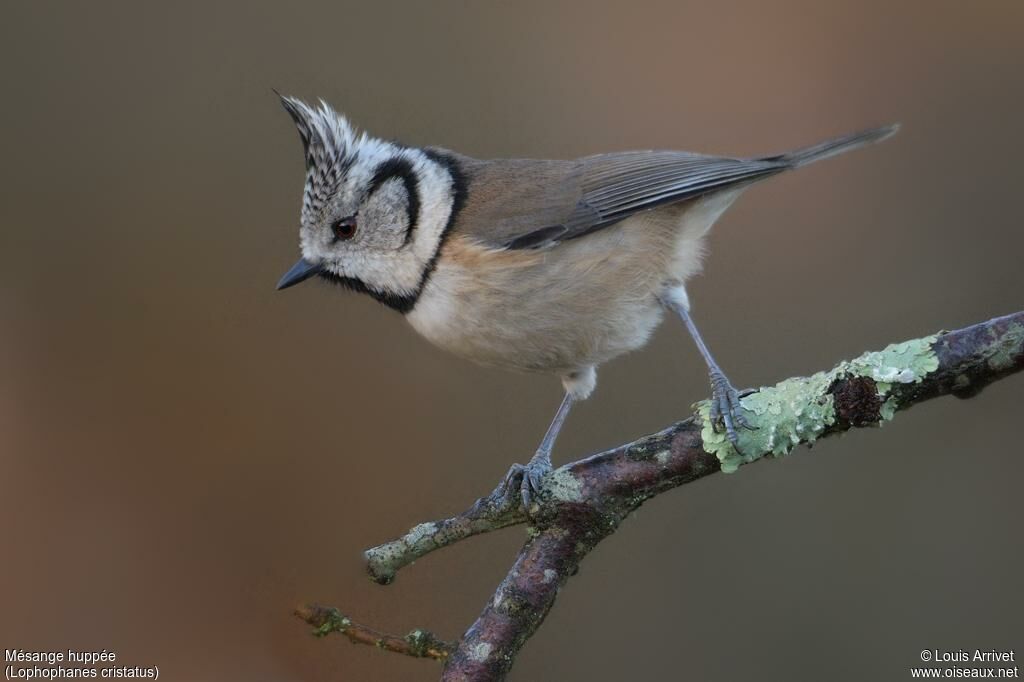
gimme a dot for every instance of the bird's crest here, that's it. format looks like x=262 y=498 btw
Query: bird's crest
x=327 y=137
x=330 y=146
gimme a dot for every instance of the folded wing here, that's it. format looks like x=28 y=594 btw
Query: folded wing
x=612 y=187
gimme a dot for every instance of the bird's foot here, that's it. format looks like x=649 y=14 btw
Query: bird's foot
x=726 y=411
x=523 y=483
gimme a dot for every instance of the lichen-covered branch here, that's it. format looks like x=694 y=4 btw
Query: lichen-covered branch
x=487 y=514
x=418 y=643
x=585 y=501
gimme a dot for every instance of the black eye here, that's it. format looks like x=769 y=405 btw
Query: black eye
x=344 y=229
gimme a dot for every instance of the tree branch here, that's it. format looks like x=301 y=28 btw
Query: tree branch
x=487 y=514
x=418 y=643
x=584 y=502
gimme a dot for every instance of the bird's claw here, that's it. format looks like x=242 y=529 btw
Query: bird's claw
x=726 y=410
x=523 y=483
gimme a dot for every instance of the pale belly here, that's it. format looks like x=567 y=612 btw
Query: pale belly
x=537 y=330
x=561 y=310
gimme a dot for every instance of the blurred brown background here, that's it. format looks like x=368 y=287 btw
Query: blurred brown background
x=187 y=454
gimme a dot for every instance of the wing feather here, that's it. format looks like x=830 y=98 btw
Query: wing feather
x=616 y=186
x=530 y=204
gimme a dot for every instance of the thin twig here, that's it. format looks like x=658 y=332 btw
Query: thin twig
x=418 y=643
x=487 y=514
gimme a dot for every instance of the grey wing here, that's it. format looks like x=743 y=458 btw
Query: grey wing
x=613 y=187
x=552 y=201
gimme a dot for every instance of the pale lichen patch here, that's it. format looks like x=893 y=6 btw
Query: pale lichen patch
x=799 y=410
x=899 y=363
x=422 y=533
x=480 y=651
x=563 y=486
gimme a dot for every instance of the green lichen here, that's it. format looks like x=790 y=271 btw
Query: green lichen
x=900 y=363
x=799 y=410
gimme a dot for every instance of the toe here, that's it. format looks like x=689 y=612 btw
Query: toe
x=730 y=427
x=512 y=478
x=533 y=482
x=736 y=408
x=522 y=484
x=511 y=487
x=534 y=477
x=740 y=420
x=726 y=411
x=715 y=414
x=528 y=492
x=527 y=495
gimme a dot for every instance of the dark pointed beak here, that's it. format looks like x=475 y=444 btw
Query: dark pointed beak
x=300 y=272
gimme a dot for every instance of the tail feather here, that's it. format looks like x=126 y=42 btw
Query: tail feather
x=838 y=145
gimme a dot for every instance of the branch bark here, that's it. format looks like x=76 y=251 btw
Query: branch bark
x=584 y=502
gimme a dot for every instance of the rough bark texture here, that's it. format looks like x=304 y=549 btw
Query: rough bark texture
x=585 y=501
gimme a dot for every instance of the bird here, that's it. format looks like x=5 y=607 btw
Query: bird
x=543 y=266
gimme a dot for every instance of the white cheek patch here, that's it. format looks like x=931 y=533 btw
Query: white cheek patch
x=394 y=266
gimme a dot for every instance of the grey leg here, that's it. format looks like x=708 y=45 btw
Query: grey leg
x=526 y=480
x=725 y=399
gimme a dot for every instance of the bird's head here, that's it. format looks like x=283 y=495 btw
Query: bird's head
x=374 y=213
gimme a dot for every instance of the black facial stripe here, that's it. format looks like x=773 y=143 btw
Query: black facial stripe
x=402 y=304
x=397 y=167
